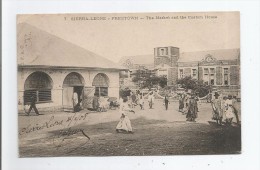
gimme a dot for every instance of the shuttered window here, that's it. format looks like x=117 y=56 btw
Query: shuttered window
x=234 y=75
x=219 y=76
x=194 y=73
x=187 y=72
x=38 y=84
x=101 y=83
x=42 y=96
x=181 y=73
x=101 y=91
x=226 y=75
x=206 y=76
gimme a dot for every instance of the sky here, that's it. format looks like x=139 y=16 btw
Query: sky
x=118 y=36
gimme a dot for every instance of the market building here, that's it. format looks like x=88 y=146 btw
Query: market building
x=53 y=69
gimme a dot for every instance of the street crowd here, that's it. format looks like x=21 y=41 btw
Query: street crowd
x=223 y=107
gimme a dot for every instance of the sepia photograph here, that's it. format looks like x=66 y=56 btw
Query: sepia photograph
x=128 y=84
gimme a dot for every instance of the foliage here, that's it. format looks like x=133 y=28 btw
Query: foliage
x=124 y=92
x=146 y=79
x=195 y=85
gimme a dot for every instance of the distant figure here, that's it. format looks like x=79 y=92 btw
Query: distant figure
x=166 y=101
x=236 y=107
x=151 y=100
x=75 y=101
x=141 y=101
x=124 y=125
x=102 y=104
x=197 y=99
x=186 y=103
x=229 y=110
x=181 y=102
x=95 y=103
x=217 y=113
x=192 y=110
x=33 y=105
x=133 y=100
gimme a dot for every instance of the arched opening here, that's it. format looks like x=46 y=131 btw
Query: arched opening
x=73 y=88
x=38 y=84
x=101 y=83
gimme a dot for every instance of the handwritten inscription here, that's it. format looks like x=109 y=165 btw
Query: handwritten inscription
x=53 y=122
x=64 y=134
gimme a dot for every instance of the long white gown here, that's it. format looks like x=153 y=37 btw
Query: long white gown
x=229 y=112
x=124 y=123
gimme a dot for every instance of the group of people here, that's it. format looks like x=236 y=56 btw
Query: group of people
x=188 y=105
x=137 y=99
x=224 y=109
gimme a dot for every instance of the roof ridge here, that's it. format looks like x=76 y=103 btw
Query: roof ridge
x=211 y=50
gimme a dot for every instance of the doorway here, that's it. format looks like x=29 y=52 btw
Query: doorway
x=73 y=83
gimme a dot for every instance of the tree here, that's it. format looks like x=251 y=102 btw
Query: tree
x=146 y=79
x=124 y=92
x=195 y=85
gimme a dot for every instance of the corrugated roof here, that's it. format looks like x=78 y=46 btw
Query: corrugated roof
x=222 y=54
x=40 y=48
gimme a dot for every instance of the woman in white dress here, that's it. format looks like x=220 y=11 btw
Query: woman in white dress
x=124 y=124
x=229 y=110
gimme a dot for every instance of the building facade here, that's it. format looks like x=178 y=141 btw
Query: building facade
x=53 y=69
x=217 y=68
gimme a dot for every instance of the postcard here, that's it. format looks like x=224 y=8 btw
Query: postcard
x=128 y=84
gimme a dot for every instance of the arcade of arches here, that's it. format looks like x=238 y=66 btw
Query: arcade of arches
x=49 y=93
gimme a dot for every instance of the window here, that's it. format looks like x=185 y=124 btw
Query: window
x=226 y=75
x=206 y=76
x=206 y=71
x=38 y=84
x=101 y=83
x=162 y=51
x=194 y=73
x=209 y=76
x=181 y=73
x=212 y=79
x=212 y=70
x=101 y=91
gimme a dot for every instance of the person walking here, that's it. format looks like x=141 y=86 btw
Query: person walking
x=124 y=125
x=151 y=100
x=181 y=102
x=192 y=110
x=166 y=101
x=141 y=101
x=33 y=100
